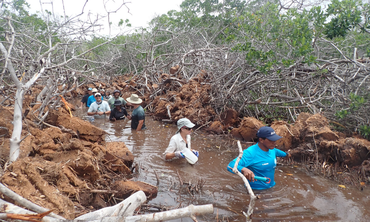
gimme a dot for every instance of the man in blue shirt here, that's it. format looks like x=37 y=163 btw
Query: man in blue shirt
x=260 y=159
x=91 y=98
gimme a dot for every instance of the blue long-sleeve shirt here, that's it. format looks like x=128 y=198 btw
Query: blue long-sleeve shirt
x=90 y=100
x=261 y=163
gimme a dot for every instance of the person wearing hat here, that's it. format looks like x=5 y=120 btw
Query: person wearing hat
x=86 y=97
x=260 y=159
x=118 y=112
x=178 y=142
x=138 y=115
x=99 y=108
x=116 y=96
x=103 y=95
x=91 y=98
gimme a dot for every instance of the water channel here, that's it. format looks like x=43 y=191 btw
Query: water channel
x=297 y=196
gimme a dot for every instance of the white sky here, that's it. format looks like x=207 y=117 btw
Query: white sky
x=140 y=11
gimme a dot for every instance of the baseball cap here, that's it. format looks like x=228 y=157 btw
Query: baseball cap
x=97 y=94
x=184 y=122
x=89 y=88
x=268 y=133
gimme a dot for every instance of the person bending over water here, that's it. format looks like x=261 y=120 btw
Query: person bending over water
x=178 y=142
x=118 y=112
x=260 y=159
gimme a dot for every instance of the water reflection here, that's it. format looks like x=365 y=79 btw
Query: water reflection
x=297 y=196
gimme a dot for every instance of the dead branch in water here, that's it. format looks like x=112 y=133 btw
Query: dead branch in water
x=250 y=191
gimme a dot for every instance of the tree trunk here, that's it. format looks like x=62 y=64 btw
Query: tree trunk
x=17 y=123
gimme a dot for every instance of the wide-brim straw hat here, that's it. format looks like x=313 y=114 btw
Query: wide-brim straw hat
x=134 y=99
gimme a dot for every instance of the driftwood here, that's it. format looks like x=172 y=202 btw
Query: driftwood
x=123 y=209
x=250 y=191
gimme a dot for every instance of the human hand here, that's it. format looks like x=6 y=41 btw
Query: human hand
x=196 y=153
x=288 y=155
x=179 y=154
x=248 y=174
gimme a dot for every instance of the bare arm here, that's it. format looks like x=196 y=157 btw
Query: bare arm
x=248 y=174
x=92 y=113
x=169 y=156
x=141 y=122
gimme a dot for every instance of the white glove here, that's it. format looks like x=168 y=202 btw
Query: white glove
x=179 y=154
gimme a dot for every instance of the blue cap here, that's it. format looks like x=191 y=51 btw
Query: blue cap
x=89 y=89
x=268 y=133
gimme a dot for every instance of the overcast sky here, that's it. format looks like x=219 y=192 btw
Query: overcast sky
x=139 y=12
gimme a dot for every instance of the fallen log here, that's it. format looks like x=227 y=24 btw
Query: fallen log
x=123 y=209
x=253 y=197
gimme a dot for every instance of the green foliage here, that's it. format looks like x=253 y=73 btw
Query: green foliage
x=341 y=114
x=356 y=103
x=276 y=39
x=345 y=15
x=365 y=131
x=125 y=22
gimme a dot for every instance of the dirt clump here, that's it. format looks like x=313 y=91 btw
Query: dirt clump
x=282 y=129
x=126 y=188
x=248 y=128
x=67 y=165
x=216 y=127
x=180 y=99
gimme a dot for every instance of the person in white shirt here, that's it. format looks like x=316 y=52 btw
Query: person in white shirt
x=178 y=142
x=99 y=108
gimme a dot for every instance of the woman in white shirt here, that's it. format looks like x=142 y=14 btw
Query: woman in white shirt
x=178 y=142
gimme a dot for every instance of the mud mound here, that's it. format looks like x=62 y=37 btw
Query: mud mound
x=216 y=127
x=120 y=150
x=230 y=118
x=82 y=128
x=248 y=128
x=352 y=151
x=282 y=129
x=126 y=188
x=180 y=99
x=317 y=125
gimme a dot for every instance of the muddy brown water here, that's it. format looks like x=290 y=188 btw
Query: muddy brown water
x=297 y=196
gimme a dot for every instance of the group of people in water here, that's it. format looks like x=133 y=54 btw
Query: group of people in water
x=101 y=105
x=258 y=161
